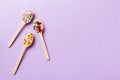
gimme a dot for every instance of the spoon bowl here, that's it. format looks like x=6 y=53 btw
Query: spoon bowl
x=38 y=26
x=28 y=39
x=27 y=16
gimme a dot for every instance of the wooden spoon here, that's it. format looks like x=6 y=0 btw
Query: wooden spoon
x=27 y=41
x=38 y=27
x=27 y=17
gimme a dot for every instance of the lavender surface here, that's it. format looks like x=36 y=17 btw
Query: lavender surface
x=82 y=36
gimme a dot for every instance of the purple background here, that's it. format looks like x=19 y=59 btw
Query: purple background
x=82 y=37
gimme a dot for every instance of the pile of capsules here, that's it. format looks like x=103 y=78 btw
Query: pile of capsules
x=29 y=37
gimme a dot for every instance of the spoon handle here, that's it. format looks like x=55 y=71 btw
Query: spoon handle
x=15 y=34
x=44 y=47
x=19 y=61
